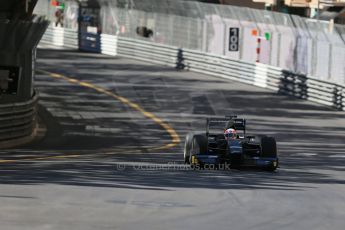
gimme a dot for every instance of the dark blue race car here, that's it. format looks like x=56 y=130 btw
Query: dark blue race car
x=214 y=149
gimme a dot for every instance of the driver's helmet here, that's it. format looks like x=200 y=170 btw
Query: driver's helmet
x=230 y=134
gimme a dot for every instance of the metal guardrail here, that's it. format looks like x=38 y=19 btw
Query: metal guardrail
x=18 y=120
x=61 y=37
x=109 y=44
x=287 y=41
x=274 y=78
x=258 y=74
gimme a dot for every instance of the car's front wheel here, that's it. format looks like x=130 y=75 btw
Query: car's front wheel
x=187 y=147
x=269 y=150
x=199 y=146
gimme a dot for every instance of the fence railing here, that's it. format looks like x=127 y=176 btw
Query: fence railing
x=17 y=120
x=294 y=43
x=258 y=74
x=61 y=37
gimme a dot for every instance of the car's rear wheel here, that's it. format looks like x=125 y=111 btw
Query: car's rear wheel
x=268 y=147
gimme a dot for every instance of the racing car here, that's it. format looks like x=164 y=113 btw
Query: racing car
x=214 y=149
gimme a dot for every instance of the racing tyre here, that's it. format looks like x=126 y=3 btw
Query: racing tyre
x=199 y=146
x=187 y=147
x=269 y=149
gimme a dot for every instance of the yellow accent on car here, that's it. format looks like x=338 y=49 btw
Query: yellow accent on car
x=194 y=160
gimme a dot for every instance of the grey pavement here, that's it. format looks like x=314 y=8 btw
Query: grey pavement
x=116 y=181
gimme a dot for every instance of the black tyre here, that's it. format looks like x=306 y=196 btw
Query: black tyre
x=187 y=147
x=268 y=147
x=199 y=146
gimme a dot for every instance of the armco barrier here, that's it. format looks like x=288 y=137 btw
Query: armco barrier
x=287 y=41
x=17 y=120
x=59 y=36
x=273 y=78
x=109 y=44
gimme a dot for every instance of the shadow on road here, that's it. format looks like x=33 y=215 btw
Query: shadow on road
x=166 y=172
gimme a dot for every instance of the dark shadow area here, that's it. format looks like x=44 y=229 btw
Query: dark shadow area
x=144 y=31
x=180 y=60
x=68 y=134
x=294 y=85
x=338 y=98
x=17 y=197
x=149 y=172
x=84 y=60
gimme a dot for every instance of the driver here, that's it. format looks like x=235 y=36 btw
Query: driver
x=230 y=134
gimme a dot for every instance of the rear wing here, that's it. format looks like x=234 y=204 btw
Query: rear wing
x=225 y=123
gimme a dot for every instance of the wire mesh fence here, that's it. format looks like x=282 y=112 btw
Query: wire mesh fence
x=291 y=42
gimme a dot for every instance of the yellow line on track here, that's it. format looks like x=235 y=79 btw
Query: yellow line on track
x=175 y=139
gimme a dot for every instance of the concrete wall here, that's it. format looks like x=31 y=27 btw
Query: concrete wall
x=18 y=41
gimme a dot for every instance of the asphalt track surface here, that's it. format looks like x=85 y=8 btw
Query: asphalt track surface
x=112 y=163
